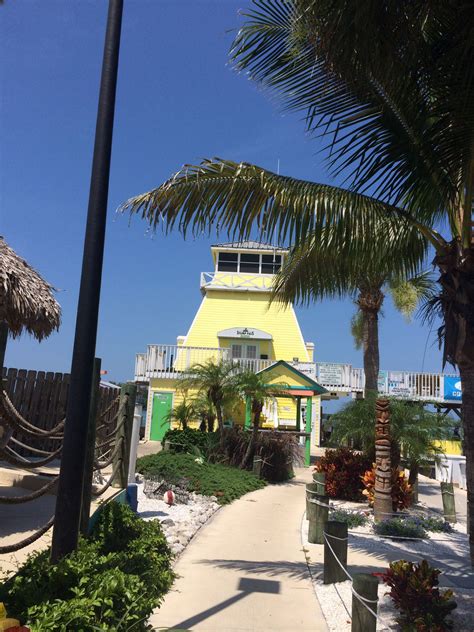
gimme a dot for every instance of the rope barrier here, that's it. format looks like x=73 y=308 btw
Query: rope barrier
x=9 y=411
x=16 y=500
x=109 y=408
x=12 y=457
x=11 y=548
x=101 y=466
x=110 y=481
x=29 y=447
x=314 y=501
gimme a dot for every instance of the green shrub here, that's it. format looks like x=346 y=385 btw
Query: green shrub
x=210 y=479
x=351 y=518
x=343 y=468
x=434 y=524
x=401 y=527
x=415 y=593
x=112 y=581
x=190 y=440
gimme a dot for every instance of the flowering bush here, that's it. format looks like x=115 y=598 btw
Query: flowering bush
x=415 y=593
x=402 y=492
x=344 y=469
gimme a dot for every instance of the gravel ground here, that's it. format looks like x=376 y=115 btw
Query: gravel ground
x=447 y=551
x=179 y=521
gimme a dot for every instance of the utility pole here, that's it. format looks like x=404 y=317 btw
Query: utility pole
x=71 y=477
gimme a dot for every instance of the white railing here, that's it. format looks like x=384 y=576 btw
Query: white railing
x=236 y=281
x=171 y=361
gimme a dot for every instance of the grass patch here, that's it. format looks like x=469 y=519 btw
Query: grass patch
x=210 y=479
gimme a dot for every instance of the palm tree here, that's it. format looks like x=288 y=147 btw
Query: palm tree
x=216 y=381
x=253 y=386
x=310 y=273
x=414 y=431
x=205 y=412
x=390 y=84
x=183 y=413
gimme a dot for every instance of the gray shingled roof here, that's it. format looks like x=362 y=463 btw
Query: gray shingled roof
x=250 y=245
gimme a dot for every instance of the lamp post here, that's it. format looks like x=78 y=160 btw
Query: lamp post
x=69 y=497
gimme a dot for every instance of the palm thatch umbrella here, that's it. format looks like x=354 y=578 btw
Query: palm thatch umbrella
x=27 y=302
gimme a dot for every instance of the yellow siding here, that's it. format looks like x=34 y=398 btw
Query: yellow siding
x=453 y=448
x=227 y=309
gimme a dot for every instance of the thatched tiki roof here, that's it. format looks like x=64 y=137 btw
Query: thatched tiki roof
x=26 y=299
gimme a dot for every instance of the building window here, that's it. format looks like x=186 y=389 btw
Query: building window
x=228 y=262
x=271 y=264
x=236 y=351
x=251 y=352
x=250 y=263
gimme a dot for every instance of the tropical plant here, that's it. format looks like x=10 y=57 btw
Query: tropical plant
x=311 y=273
x=400 y=528
x=414 y=431
x=415 y=593
x=253 y=387
x=182 y=414
x=351 y=518
x=391 y=85
x=205 y=411
x=402 y=492
x=344 y=469
x=216 y=381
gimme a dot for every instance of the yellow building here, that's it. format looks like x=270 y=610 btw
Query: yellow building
x=236 y=322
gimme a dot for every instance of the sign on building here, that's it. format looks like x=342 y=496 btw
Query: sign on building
x=452 y=388
x=397 y=385
x=331 y=374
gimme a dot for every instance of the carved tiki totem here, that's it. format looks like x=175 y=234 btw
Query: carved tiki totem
x=383 y=470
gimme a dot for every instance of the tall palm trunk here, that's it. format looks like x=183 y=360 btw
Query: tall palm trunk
x=457 y=305
x=249 y=453
x=370 y=301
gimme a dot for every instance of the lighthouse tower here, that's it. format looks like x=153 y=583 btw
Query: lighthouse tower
x=237 y=322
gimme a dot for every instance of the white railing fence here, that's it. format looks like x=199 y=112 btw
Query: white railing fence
x=169 y=361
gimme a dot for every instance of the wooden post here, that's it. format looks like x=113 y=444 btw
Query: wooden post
x=311 y=492
x=383 y=469
x=257 y=466
x=298 y=414
x=366 y=587
x=307 y=444
x=128 y=394
x=318 y=520
x=90 y=451
x=449 y=508
x=3 y=343
x=248 y=412
x=336 y=535
x=320 y=479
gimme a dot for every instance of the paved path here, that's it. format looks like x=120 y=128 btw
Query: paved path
x=245 y=571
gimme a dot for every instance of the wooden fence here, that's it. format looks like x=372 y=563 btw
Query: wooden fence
x=41 y=398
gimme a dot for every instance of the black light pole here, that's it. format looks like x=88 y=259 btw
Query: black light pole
x=69 y=498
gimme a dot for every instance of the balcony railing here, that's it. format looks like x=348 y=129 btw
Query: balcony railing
x=174 y=361
x=239 y=281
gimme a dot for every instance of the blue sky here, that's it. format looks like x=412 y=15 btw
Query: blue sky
x=177 y=102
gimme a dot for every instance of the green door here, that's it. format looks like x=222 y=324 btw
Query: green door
x=160 y=421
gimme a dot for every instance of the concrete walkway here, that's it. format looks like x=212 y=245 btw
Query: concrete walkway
x=245 y=570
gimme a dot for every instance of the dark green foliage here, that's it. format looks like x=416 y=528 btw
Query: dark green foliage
x=112 y=582
x=434 y=524
x=279 y=452
x=190 y=440
x=343 y=469
x=210 y=479
x=415 y=593
x=351 y=518
x=401 y=527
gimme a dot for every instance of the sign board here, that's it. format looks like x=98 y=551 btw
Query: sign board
x=244 y=332
x=382 y=382
x=330 y=374
x=452 y=388
x=396 y=384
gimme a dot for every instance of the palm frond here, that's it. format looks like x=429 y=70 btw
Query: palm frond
x=383 y=80
x=412 y=293
x=240 y=197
